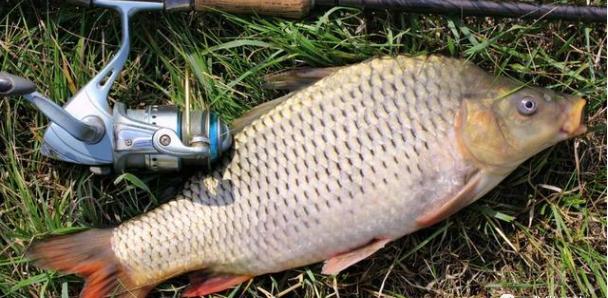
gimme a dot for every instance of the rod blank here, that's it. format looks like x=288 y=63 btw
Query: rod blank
x=484 y=8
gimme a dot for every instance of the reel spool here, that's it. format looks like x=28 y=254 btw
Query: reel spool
x=87 y=131
x=159 y=138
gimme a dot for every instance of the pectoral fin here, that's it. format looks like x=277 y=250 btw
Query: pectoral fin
x=342 y=261
x=297 y=78
x=451 y=204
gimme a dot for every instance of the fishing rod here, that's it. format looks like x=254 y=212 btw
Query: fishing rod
x=88 y=131
x=300 y=8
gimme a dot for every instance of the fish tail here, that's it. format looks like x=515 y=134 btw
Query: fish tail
x=88 y=254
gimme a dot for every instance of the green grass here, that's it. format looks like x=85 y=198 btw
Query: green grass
x=541 y=232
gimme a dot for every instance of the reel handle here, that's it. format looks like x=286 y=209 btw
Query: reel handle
x=89 y=129
x=12 y=85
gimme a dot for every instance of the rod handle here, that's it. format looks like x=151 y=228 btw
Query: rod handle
x=282 y=8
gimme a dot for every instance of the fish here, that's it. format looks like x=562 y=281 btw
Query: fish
x=355 y=157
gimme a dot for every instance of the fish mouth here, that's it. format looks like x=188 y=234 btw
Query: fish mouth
x=573 y=126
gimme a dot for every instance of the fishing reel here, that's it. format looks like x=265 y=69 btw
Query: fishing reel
x=87 y=131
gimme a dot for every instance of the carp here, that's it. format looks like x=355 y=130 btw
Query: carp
x=356 y=158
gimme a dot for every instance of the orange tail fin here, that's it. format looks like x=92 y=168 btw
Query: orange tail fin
x=88 y=254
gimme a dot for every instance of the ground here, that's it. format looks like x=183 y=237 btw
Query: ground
x=541 y=232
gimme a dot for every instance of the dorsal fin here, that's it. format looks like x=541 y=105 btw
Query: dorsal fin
x=299 y=78
x=255 y=113
x=291 y=80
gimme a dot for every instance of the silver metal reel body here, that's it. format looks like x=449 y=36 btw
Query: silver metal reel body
x=153 y=138
x=87 y=131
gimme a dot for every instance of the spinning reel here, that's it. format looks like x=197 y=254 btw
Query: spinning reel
x=87 y=131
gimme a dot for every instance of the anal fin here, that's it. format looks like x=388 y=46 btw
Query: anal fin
x=201 y=285
x=344 y=260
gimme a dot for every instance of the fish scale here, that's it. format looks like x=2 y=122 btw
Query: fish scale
x=335 y=166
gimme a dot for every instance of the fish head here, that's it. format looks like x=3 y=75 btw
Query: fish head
x=502 y=126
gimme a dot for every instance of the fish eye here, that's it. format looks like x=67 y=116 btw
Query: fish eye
x=527 y=106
